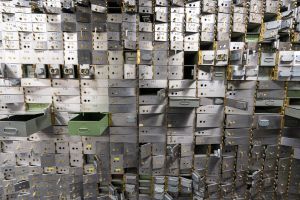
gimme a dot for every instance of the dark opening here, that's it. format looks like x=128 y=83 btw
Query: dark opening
x=21 y=117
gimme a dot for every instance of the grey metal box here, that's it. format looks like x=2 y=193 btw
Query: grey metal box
x=24 y=125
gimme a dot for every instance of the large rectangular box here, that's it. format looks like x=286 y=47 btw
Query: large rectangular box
x=93 y=124
x=24 y=125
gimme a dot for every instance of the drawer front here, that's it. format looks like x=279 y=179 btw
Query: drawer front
x=182 y=92
x=119 y=108
x=85 y=128
x=184 y=102
x=209 y=120
x=177 y=84
x=124 y=119
x=151 y=109
x=180 y=120
x=270 y=94
x=152 y=120
x=238 y=121
x=25 y=128
x=267 y=121
x=121 y=92
x=151 y=99
x=122 y=100
x=13 y=129
x=153 y=83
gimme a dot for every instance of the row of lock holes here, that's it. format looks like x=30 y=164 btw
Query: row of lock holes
x=20 y=18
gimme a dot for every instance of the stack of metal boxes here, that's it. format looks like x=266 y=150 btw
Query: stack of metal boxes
x=162 y=99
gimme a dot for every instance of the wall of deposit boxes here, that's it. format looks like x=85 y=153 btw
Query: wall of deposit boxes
x=149 y=100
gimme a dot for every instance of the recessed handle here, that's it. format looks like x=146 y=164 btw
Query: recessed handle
x=268 y=60
x=263 y=122
x=10 y=131
x=270 y=102
x=184 y=103
x=83 y=130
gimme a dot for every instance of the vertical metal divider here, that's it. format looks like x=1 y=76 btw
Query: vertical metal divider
x=51 y=108
x=214 y=62
x=123 y=55
x=110 y=116
x=286 y=103
x=247 y=194
x=228 y=75
x=206 y=169
x=282 y=111
x=196 y=66
x=275 y=78
x=291 y=156
x=279 y=140
x=289 y=175
x=183 y=31
x=153 y=36
x=197 y=93
x=152 y=189
x=262 y=166
x=222 y=145
x=251 y=141
x=167 y=90
x=137 y=94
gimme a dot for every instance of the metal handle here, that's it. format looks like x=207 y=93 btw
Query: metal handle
x=131 y=59
x=184 y=103
x=268 y=60
x=263 y=122
x=270 y=102
x=10 y=131
x=83 y=130
x=208 y=58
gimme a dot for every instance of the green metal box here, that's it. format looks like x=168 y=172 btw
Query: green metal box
x=88 y=124
x=293 y=93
